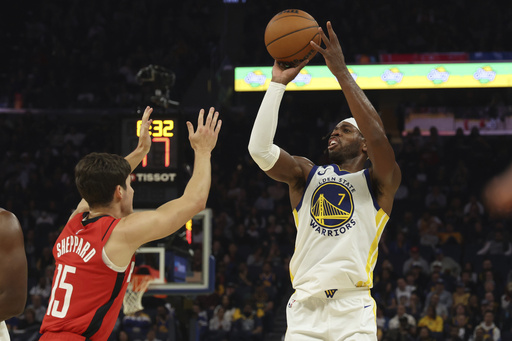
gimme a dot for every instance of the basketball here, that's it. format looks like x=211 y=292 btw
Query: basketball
x=288 y=34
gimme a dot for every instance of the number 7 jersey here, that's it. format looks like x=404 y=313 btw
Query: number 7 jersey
x=339 y=225
x=86 y=295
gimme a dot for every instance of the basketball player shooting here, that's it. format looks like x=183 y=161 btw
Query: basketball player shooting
x=13 y=270
x=340 y=209
x=94 y=254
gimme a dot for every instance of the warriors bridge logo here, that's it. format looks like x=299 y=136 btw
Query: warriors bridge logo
x=332 y=206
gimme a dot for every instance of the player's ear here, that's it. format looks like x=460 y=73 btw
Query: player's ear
x=119 y=192
x=364 y=146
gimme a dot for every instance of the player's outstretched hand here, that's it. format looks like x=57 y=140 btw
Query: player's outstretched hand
x=283 y=74
x=205 y=137
x=333 y=55
x=144 y=137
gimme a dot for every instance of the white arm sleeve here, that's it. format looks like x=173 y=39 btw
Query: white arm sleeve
x=261 y=144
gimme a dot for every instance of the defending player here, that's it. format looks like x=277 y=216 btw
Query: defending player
x=95 y=252
x=340 y=210
x=13 y=270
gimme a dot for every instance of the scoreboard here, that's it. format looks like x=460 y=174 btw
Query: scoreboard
x=156 y=179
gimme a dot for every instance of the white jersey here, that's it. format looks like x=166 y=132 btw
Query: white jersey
x=4 y=332
x=339 y=225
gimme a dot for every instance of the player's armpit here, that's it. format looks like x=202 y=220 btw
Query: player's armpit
x=13 y=267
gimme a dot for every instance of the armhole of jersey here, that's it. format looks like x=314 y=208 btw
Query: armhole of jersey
x=310 y=176
x=369 y=184
x=111 y=265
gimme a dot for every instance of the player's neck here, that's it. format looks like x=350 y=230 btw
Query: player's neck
x=353 y=165
x=105 y=210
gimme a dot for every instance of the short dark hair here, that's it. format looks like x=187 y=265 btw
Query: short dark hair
x=97 y=176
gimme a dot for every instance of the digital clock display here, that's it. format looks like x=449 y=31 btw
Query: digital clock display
x=164 y=150
x=156 y=179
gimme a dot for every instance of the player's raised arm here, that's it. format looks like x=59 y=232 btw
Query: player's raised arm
x=134 y=158
x=13 y=267
x=385 y=173
x=139 y=228
x=276 y=162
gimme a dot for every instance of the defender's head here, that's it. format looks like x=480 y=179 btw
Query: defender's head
x=99 y=175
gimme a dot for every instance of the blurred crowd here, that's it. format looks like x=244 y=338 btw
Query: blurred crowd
x=71 y=54
x=444 y=269
x=444 y=263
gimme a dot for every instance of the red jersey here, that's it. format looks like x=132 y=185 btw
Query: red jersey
x=86 y=294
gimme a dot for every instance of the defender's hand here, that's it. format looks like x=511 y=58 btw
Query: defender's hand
x=144 y=138
x=205 y=137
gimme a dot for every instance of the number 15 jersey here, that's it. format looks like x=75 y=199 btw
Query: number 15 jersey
x=86 y=294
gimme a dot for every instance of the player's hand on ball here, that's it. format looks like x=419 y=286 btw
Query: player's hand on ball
x=283 y=74
x=205 y=137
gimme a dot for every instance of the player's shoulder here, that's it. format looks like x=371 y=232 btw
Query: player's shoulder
x=7 y=217
x=10 y=228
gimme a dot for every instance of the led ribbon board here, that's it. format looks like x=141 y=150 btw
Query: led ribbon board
x=386 y=76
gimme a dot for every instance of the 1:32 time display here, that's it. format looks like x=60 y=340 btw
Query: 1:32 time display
x=161 y=131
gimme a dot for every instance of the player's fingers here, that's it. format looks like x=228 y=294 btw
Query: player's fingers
x=190 y=128
x=217 y=128
x=302 y=64
x=214 y=120
x=317 y=47
x=323 y=36
x=147 y=112
x=332 y=35
x=209 y=117
x=200 y=118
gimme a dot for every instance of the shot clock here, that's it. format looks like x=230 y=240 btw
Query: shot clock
x=156 y=179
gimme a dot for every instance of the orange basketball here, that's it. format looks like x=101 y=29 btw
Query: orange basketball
x=288 y=34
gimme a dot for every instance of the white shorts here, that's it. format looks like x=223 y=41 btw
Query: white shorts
x=347 y=316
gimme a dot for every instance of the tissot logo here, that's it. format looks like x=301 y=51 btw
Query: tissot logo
x=155 y=177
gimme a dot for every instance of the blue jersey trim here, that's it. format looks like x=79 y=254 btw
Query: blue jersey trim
x=369 y=184
x=310 y=176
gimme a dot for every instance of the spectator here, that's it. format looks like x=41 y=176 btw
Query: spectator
x=42 y=288
x=219 y=325
x=460 y=296
x=425 y=335
x=506 y=311
x=473 y=205
x=490 y=330
x=394 y=323
x=461 y=324
x=454 y=334
x=38 y=307
x=448 y=265
x=28 y=325
x=435 y=200
x=164 y=322
x=432 y=321
x=415 y=260
x=151 y=336
x=403 y=290
x=497 y=245
x=247 y=325
x=404 y=332
x=415 y=307
x=137 y=325
x=444 y=297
